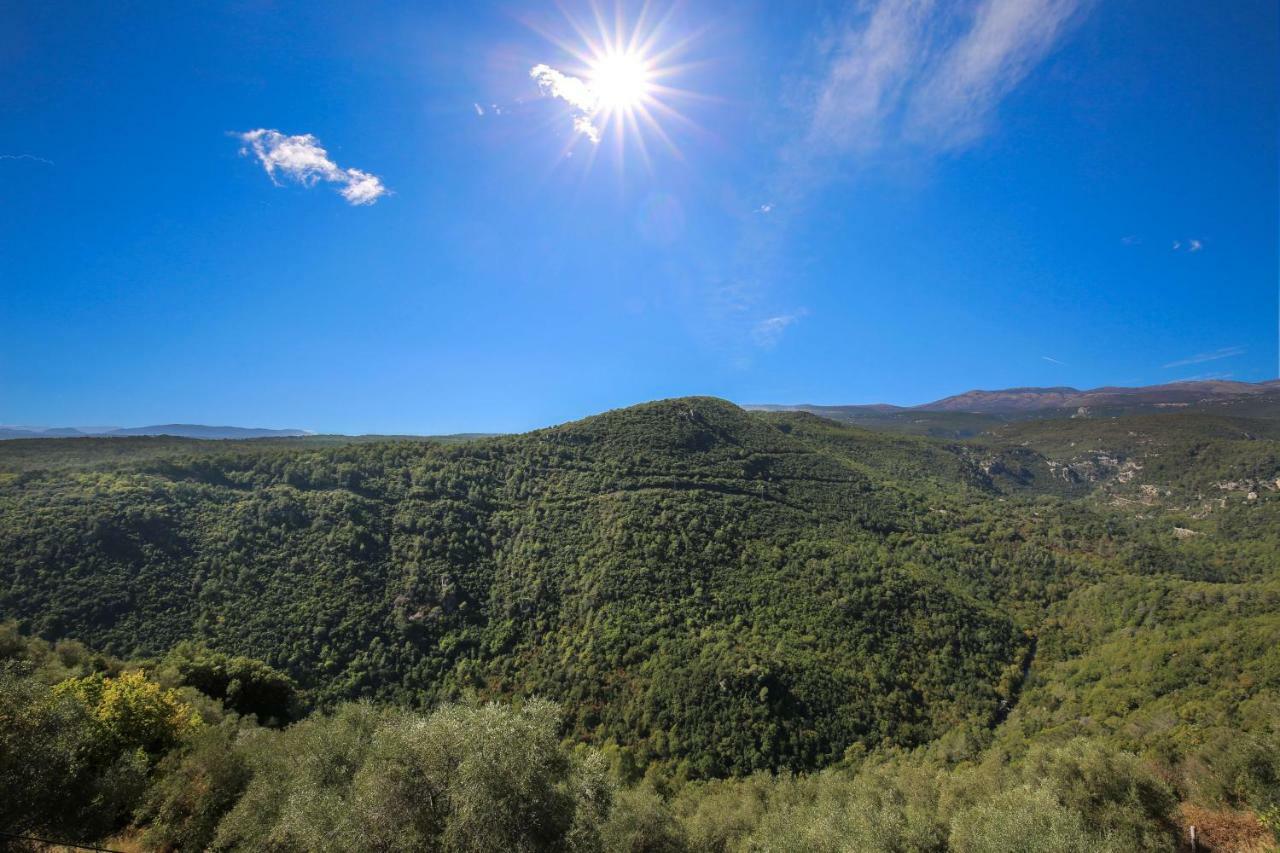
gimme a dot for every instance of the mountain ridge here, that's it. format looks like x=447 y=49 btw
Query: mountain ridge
x=1027 y=398
x=176 y=430
x=997 y=404
x=1036 y=399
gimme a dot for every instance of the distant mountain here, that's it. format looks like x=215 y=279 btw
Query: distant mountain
x=1174 y=394
x=975 y=411
x=1006 y=400
x=201 y=431
x=179 y=430
x=867 y=408
x=42 y=432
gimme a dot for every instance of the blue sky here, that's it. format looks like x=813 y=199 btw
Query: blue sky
x=834 y=203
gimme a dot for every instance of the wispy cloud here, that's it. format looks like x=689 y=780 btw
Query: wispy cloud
x=300 y=158
x=869 y=76
x=768 y=332
x=1191 y=245
x=33 y=158
x=897 y=81
x=1006 y=40
x=1053 y=360
x=1202 y=377
x=930 y=75
x=1202 y=357
x=1131 y=240
x=575 y=92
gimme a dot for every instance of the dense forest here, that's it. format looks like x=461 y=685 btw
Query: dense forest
x=676 y=626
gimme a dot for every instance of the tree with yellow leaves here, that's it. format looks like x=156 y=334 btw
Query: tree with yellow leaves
x=132 y=712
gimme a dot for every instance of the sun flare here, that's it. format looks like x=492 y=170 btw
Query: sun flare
x=618 y=86
x=620 y=81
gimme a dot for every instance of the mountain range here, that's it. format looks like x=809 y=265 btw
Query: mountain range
x=973 y=412
x=1032 y=399
x=176 y=430
x=960 y=415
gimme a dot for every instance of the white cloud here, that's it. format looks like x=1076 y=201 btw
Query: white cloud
x=479 y=109
x=575 y=92
x=870 y=72
x=586 y=127
x=300 y=158
x=1194 y=245
x=1053 y=360
x=1201 y=357
x=927 y=74
x=768 y=332
x=1131 y=240
x=361 y=187
x=897 y=82
x=572 y=90
x=767 y=207
x=1007 y=39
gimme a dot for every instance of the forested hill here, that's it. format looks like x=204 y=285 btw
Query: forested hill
x=714 y=591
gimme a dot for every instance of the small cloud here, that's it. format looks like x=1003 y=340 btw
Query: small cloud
x=1201 y=357
x=575 y=92
x=301 y=159
x=362 y=188
x=583 y=125
x=1053 y=360
x=1177 y=244
x=768 y=332
x=33 y=158
x=479 y=109
x=1131 y=240
x=1194 y=245
x=767 y=207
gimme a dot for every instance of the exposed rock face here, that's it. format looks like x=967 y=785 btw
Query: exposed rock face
x=1093 y=467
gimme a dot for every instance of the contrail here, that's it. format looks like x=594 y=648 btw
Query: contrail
x=26 y=157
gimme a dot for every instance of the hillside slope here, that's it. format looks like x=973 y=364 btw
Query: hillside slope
x=709 y=588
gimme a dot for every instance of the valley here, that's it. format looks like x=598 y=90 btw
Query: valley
x=706 y=592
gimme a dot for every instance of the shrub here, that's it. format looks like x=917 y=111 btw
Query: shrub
x=488 y=778
x=1020 y=820
x=642 y=823
x=193 y=789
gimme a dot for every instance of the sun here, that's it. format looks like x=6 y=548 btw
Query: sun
x=618 y=84
x=621 y=81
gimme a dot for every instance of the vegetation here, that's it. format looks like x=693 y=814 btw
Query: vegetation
x=760 y=631
x=492 y=777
